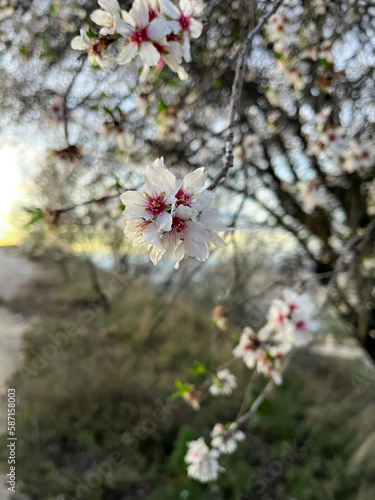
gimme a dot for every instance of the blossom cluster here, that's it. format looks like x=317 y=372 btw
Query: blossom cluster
x=158 y=31
x=330 y=143
x=171 y=216
x=290 y=324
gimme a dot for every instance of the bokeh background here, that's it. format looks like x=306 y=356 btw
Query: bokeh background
x=94 y=337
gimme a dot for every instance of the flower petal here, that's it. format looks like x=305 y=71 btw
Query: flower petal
x=195 y=28
x=157 y=29
x=195 y=180
x=149 y=54
x=169 y=9
x=134 y=202
x=102 y=18
x=140 y=13
x=127 y=53
x=164 y=222
x=111 y=6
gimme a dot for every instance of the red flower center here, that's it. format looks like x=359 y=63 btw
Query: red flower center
x=178 y=225
x=140 y=36
x=172 y=37
x=332 y=137
x=184 y=22
x=156 y=205
x=183 y=197
x=300 y=325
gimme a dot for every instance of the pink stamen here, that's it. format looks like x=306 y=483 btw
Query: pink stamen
x=172 y=37
x=300 y=325
x=178 y=225
x=155 y=205
x=183 y=197
x=280 y=317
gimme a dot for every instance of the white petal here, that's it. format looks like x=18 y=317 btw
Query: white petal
x=80 y=42
x=217 y=240
x=208 y=217
x=186 y=47
x=195 y=28
x=158 y=179
x=195 y=180
x=155 y=255
x=149 y=54
x=133 y=201
x=203 y=200
x=111 y=6
x=102 y=18
x=140 y=13
x=127 y=53
x=144 y=75
x=128 y=18
x=164 y=222
x=157 y=29
x=169 y=9
x=196 y=232
x=186 y=7
x=151 y=236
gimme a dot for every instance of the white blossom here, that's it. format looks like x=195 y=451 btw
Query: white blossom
x=95 y=49
x=203 y=464
x=248 y=348
x=225 y=440
x=223 y=383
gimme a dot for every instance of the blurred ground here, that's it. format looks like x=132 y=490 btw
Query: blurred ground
x=16 y=272
x=94 y=383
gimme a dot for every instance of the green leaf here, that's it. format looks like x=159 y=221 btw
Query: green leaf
x=22 y=50
x=162 y=105
x=95 y=107
x=117 y=181
x=199 y=369
x=52 y=9
x=122 y=207
x=236 y=336
x=91 y=34
x=181 y=390
x=36 y=214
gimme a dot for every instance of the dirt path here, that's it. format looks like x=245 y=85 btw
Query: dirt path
x=15 y=272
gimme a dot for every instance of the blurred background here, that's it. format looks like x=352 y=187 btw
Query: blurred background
x=94 y=337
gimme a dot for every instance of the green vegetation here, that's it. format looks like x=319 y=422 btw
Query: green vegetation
x=95 y=421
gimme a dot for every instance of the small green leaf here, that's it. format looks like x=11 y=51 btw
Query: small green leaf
x=91 y=34
x=122 y=207
x=236 y=336
x=36 y=214
x=52 y=9
x=199 y=369
x=162 y=105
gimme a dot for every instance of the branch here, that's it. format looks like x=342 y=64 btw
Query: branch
x=356 y=243
x=236 y=93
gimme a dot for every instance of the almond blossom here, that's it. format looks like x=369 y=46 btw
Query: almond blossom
x=170 y=217
x=95 y=49
x=108 y=17
x=140 y=35
x=223 y=383
x=203 y=464
x=182 y=24
x=248 y=348
x=225 y=440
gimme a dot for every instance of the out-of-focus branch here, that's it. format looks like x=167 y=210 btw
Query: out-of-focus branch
x=65 y=107
x=355 y=244
x=236 y=93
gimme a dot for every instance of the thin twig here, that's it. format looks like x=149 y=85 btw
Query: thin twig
x=236 y=94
